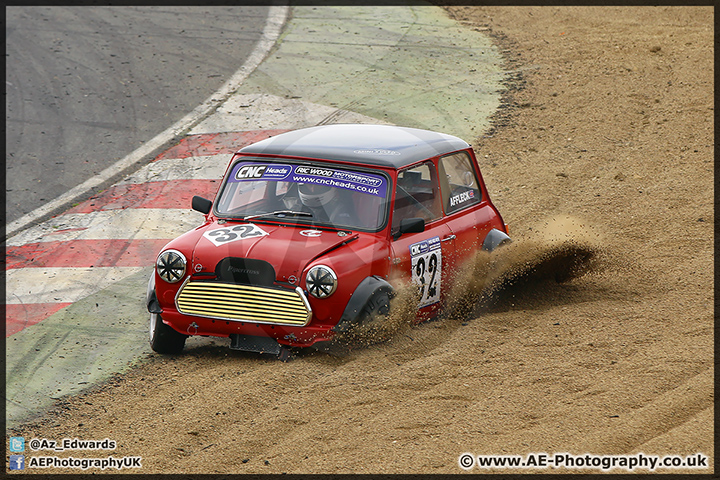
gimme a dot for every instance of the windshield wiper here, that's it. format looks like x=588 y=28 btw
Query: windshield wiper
x=279 y=212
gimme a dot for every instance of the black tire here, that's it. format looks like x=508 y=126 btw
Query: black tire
x=376 y=310
x=373 y=326
x=285 y=354
x=163 y=339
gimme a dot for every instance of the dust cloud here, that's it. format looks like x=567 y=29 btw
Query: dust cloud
x=558 y=250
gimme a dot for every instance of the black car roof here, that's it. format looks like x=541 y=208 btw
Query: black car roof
x=376 y=145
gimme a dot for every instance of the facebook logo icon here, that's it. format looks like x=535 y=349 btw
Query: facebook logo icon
x=17 y=462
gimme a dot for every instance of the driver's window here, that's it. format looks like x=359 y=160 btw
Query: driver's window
x=416 y=195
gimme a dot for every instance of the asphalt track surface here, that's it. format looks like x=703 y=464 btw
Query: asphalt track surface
x=76 y=283
x=88 y=85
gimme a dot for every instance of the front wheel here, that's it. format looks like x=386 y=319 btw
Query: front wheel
x=373 y=321
x=163 y=339
x=376 y=310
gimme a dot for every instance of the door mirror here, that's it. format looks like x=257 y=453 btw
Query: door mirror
x=202 y=205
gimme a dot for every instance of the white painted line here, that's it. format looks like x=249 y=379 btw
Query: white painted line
x=264 y=112
x=276 y=19
x=121 y=224
x=211 y=167
x=60 y=284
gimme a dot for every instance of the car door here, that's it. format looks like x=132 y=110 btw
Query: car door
x=424 y=258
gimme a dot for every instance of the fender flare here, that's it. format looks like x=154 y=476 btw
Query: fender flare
x=151 y=301
x=364 y=292
x=494 y=239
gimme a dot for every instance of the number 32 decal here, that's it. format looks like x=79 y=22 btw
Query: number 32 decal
x=426 y=269
x=221 y=236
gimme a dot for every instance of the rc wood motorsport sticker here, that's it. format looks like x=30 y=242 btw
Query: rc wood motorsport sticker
x=426 y=261
x=369 y=183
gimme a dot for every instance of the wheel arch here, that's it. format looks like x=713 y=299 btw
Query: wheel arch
x=369 y=287
x=494 y=239
x=151 y=300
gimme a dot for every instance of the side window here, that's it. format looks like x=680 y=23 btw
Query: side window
x=416 y=195
x=458 y=182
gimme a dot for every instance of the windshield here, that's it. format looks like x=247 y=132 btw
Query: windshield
x=313 y=194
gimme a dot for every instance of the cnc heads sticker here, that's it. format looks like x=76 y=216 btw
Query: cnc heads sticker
x=250 y=171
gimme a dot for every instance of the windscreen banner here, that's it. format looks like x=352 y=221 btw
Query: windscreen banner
x=368 y=183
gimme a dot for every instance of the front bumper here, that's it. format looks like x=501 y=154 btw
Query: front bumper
x=288 y=335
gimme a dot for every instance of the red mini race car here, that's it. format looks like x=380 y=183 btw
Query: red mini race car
x=311 y=231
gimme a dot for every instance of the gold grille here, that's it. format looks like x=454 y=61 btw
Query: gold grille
x=246 y=303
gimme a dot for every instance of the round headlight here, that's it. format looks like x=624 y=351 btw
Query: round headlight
x=321 y=281
x=170 y=265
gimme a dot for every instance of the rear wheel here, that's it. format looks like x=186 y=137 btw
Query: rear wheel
x=163 y=339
